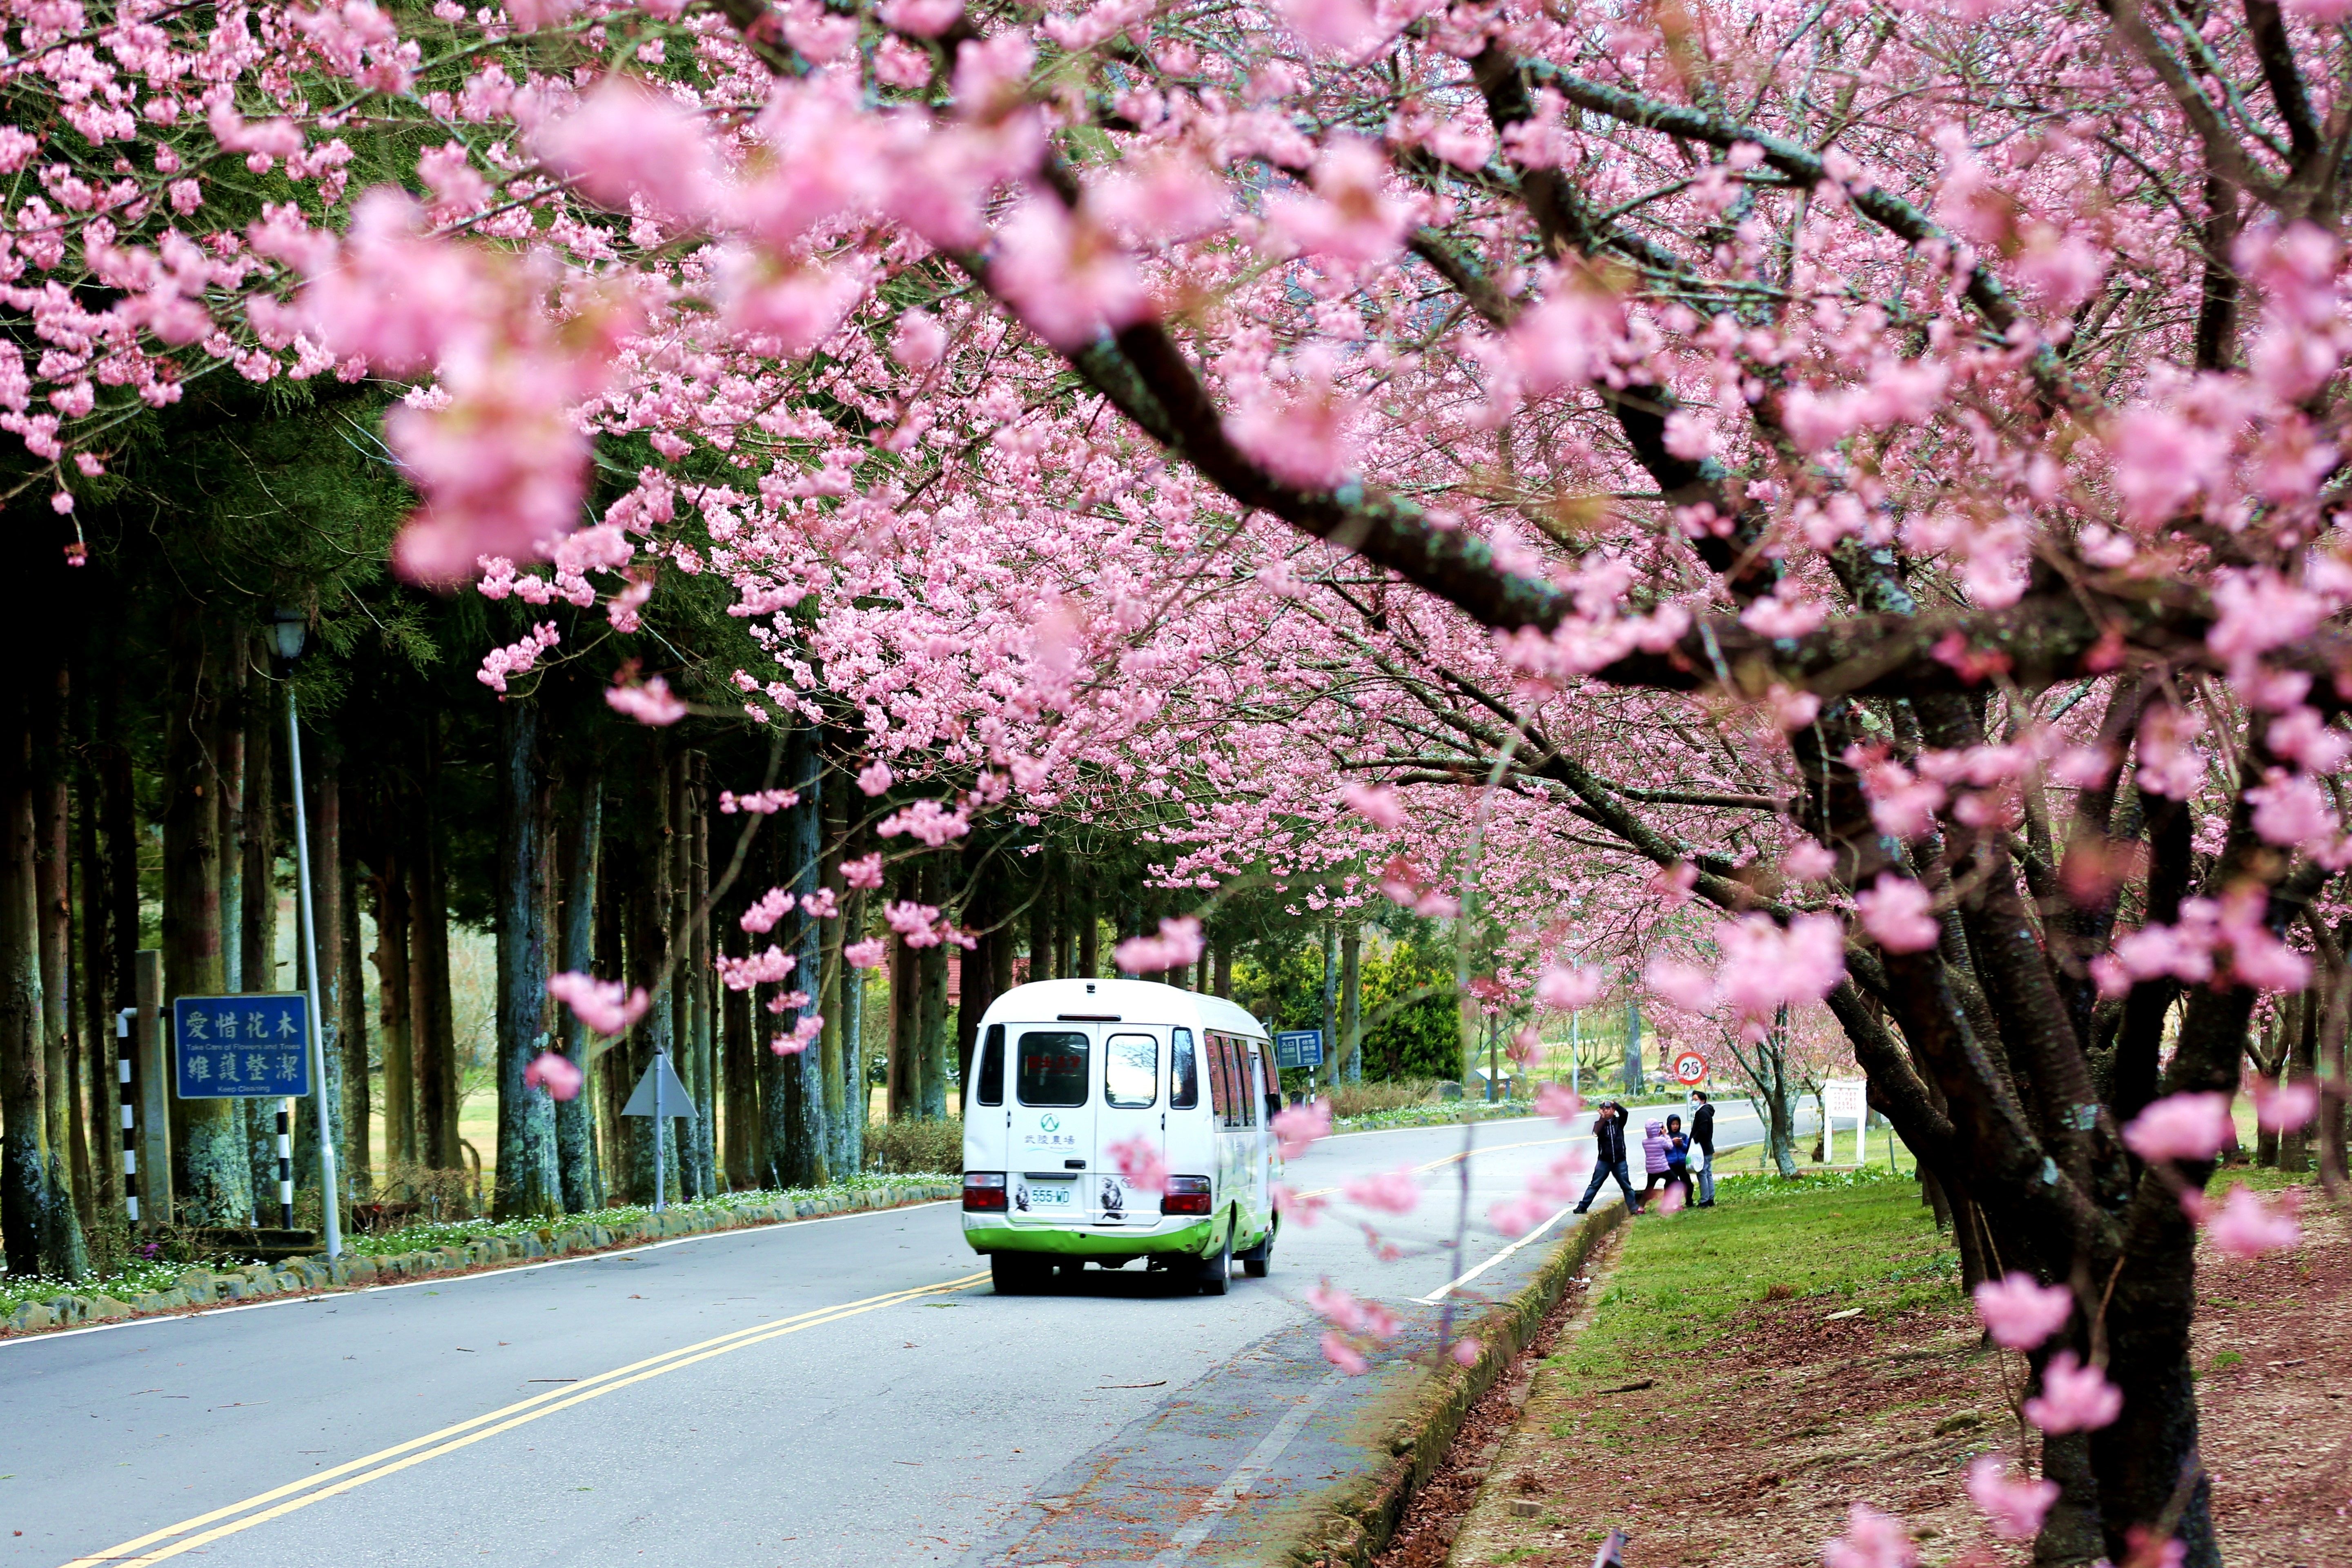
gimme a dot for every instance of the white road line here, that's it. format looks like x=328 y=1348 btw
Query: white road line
x=1261 y=1460
x=181 y=1314
x=1451 y=1285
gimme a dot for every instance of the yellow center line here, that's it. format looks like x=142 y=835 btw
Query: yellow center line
x=1444 y=1160
x=448 y=1439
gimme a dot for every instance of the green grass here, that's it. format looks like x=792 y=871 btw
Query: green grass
x=1836 y=1240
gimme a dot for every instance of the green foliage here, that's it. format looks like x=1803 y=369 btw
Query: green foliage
x=425 y=1236
x=910 y=1146
x=1411 y=1020
x=1851 y=1239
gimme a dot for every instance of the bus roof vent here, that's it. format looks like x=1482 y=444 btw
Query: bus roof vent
x=1085 y=1017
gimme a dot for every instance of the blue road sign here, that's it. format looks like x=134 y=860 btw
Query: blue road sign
x=254 y=1046
x=1299 y=1047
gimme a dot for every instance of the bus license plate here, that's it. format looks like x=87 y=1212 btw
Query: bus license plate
x=1053 y=1195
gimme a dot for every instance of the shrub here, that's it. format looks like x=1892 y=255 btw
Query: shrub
x=909 y=1147
x=1369 y=1099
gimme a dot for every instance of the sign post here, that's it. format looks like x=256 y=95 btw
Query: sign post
x=1844 y=1097
x=1300 y=1048
x=652 y=1097
x=250 y=1046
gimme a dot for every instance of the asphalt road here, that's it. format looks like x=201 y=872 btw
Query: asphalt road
x=834 y=1391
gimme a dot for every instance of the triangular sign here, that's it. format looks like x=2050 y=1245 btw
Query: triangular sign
x=675 y=1100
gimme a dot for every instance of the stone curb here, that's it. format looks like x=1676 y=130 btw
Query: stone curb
x=199 y=1287
x=1358 y=1521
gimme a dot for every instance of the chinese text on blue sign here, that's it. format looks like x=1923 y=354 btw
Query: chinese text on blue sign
x=240 y=1047
x=1299 y=1047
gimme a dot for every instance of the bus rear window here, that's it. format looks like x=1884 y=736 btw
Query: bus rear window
x=1052 y=1066
x=1183 y=1073
x=991 y=1071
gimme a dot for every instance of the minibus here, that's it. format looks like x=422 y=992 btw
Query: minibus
x=1065 y=1070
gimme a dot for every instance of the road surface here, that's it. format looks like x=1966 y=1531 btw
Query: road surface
x=846 y=1391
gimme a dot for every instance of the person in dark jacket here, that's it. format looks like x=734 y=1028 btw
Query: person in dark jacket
x=1702 y=1137
x=1609 y=1145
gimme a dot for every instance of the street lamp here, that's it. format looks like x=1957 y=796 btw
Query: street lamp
x=287 y=629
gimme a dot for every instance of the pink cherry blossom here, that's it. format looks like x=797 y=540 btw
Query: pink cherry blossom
x=1898 y=914
x=871 y=953
x=2074 y=1397
x=1296 y=1128
x=1566 y=990
x=2014 y=1507
x=2244 y=1226
x=1297 y=1208
x=1178 y=943
x=650 y=703
x=1872 y=1539
x=2284 y=1107
x=1350 y=218
x=1466 y=1351
x=865 y=872
x=627 y=142
x=1140 y=1165
x=605 y=1005
x=1343 y=1355
x=2020 y=1312
x=554 y=1071
x=1390 y=1192
x=1560 y=1102
x=805 y=1033
x=2181 y=1126
x=1376 y=803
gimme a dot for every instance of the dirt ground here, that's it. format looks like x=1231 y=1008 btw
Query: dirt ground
x=1751 y=1449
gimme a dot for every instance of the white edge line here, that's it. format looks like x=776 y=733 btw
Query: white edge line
x=1260 y=1459
x=1451 y=1285
x=183 y=1314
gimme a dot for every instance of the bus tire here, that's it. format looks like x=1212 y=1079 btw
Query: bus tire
x=1011 y=1274
x=1217 y=1268
x=1258 y=1259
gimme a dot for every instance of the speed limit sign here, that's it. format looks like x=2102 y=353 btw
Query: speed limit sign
x=1690 y=1068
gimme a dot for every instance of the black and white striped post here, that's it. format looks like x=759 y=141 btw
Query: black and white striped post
x=123 y=1053
x=286 y=1165
x=286 y=630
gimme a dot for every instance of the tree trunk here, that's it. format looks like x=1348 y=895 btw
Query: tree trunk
x=737 y=1043
x=27 y=1201
x=214 y=1179
x=1090 y=936
x=834 y=818
x=700 y=983
x=351 y=1009
x=528 y=1184
x=2302 y=1066
x=325 y=811
x=392 y=994
x=52 y=818
x=1351 y=1005
x=96 y=995
x=117 y=893
x=906 y=1098
x=859 y=1099
x=610 y=910
x=577 y=1163
x=256 y=851
x=973 y=966
x=433 y=1017
x=932 y=1000
x=649 y=940
x=1041 y=933
x=799 y=1082
x=1634 y=1076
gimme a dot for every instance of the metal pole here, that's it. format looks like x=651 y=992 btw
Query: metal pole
x=1575 y=1056
x=660 y=1060
x=329 y=1201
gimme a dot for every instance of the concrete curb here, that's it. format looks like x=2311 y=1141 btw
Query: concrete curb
x=1359 y=1517
x=200 y=1287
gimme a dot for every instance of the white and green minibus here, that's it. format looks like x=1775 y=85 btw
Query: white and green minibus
x=1064 y=1069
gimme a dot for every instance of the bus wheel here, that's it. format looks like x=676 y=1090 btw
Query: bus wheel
x=1011 y=1274
x=1217 y=1269
x=1259 y=1258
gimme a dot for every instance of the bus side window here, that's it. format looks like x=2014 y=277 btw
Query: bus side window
x=1184 y=1072
x=1251 y=1076
x=1236 y=1093
x=1217 y=1092
x=991 y=1071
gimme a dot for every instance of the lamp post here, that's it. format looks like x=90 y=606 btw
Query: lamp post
x=288 y=628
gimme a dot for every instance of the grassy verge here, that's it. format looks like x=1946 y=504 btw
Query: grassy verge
x=1836 y=1240
x=141 y=1276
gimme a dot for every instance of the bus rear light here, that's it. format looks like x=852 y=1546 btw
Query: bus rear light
x=1185 y=1194
x=983 y=1191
